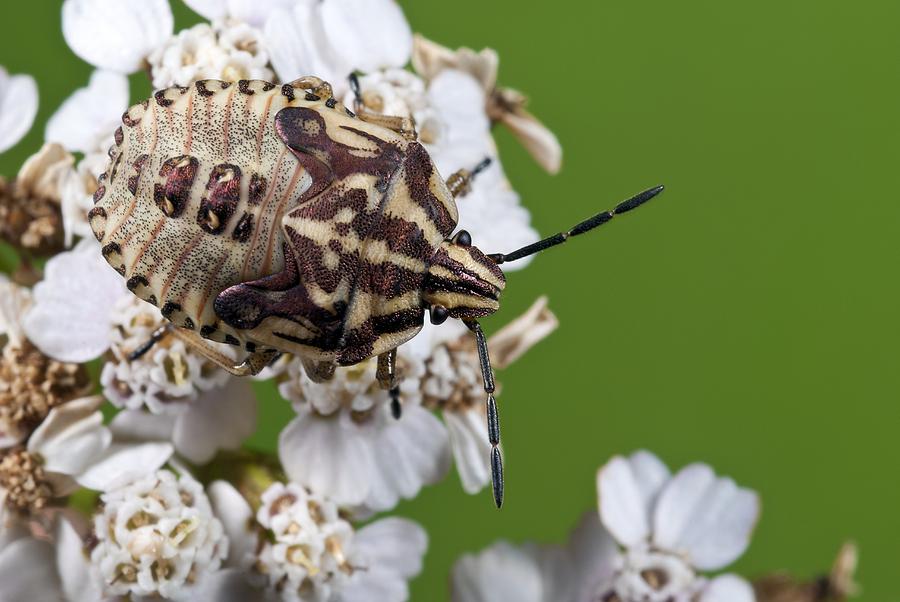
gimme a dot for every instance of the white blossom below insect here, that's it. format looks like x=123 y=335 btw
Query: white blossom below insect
x=344 y=442
x=300 y=548
x=157 y=536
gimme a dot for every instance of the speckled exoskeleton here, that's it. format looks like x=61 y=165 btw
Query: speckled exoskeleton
x=272 y=218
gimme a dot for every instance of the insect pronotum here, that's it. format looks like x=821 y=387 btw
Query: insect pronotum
x=274 y=219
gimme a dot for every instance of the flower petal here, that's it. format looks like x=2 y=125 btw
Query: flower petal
x=501 y=572
x=70 y=319
x=220 y=418
x=538 y=140
x=116 y=34
x=228 y=585
x=28 y=571
x=90 y=114
x=626 y=490
x=297 y=46
x=513 y=340
x=368 y=34
x=407 y=454
x=236 y=515
x=18 y=107
x=122 y=463
x=138 y=425
x=323 y=455
x=471 y=449
x=588 y=560
x=727 y=588
x=15 y=301
x=394 y=545
x=72 y=565
x=705 y=518
x=71 y=437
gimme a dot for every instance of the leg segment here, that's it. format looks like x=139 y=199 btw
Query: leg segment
x=315 y=85
x=387 y=378
x=493 y=418
x=460 y=182
x=252 y=364
x=402 y=125
x=318 y=372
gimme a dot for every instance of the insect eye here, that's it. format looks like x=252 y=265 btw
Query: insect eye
x=438 y=314
x=463 y=239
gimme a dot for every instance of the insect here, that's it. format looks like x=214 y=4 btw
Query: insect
x=276 y=220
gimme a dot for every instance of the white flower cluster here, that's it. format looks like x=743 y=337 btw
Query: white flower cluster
x=655 y=533
x=157 y=535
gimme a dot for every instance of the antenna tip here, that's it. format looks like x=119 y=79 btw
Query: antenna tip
x=638 y=199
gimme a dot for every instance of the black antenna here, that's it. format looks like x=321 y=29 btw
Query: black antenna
x=493 y=418
x=585 y=226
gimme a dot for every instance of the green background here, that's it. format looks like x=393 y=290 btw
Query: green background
x=746 y=318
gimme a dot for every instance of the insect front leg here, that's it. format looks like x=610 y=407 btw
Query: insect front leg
x=389 y=380
x=404 y=126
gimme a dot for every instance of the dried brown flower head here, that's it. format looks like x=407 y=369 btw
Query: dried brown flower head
x=837 y=586
x=31 y=384
x=26 y=485
x=30 y=205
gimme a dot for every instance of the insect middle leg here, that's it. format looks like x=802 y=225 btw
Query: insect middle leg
x=389 y=380
x=404 y=126
x=252 y=364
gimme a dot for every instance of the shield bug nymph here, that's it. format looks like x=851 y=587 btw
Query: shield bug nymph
x=274 y=219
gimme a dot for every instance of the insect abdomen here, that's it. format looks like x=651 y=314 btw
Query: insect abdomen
x=193 y=197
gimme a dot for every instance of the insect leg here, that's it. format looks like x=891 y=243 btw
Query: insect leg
x=251 y=365
x=318 y=372
x=155 y=338
x=316 y=85
x=387 y=378
x=460 y=182
x=404 y=126
x=493 y=418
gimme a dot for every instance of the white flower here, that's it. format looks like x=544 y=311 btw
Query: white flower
x=35 y=569
x=673 y=526
x=331 y=39
x=226 y=50
x=87 y=118
x=217 y=419
x=157 y=536
x=502 y=104
x=311 y=554
x=116 y=34
x=72 y=315
x=345 y=444
x=539 y=573
x=85 y=123
x=668 y=527
x=73 y=446
x=18 y=107
x=15 y=301
x=253 y=12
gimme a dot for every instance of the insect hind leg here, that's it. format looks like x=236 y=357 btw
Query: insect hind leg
x=251 y=365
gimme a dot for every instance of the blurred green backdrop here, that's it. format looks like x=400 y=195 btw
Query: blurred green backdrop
x=747 y=318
